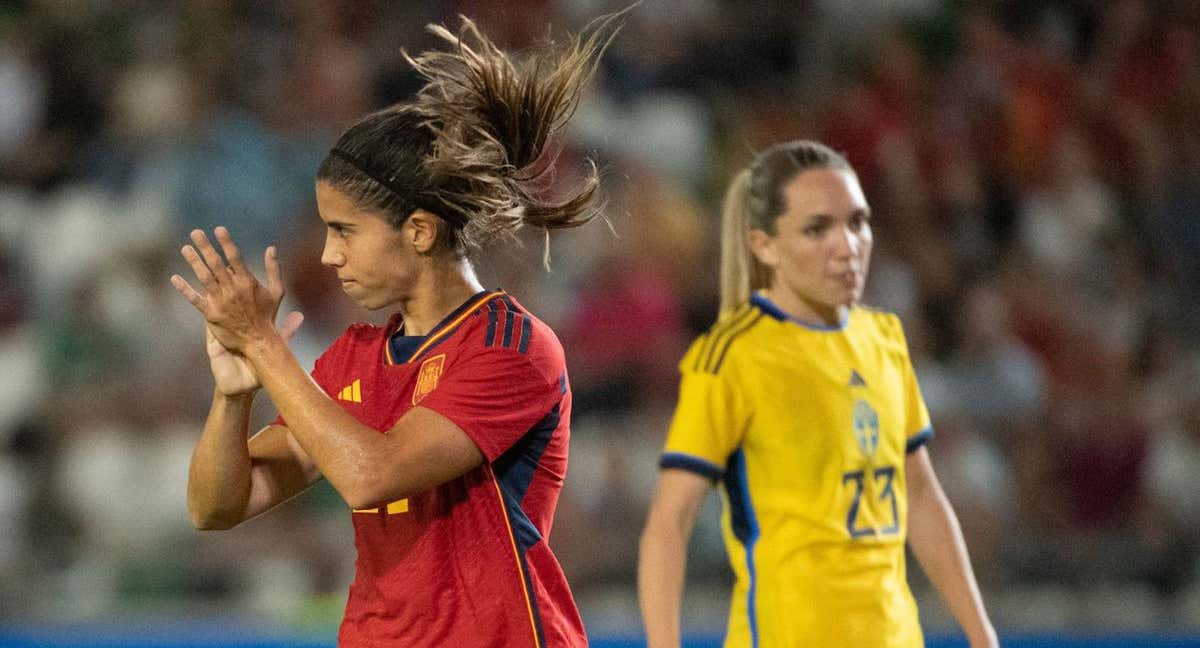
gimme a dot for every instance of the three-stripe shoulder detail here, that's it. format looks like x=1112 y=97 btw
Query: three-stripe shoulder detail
x=507 y=326
x=720 y=337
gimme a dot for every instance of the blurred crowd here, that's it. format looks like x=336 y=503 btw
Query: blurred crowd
x=1033 y=168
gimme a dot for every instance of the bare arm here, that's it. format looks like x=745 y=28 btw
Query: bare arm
x=232 y=480
x=219 y=475
x=663 y=553
x=937 y=542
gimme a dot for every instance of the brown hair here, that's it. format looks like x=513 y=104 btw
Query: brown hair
x=755 y=200
x=469 y=148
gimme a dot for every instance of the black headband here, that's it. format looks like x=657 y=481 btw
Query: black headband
x=403 y=192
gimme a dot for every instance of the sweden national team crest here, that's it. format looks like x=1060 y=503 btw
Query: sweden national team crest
x=866 y=428
x=427 y=377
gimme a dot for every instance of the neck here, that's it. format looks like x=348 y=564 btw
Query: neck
x=437 y=293
x=806 y=311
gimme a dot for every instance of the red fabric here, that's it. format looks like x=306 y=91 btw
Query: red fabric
x=455 y=569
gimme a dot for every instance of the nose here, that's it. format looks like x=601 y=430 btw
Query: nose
x=847 y=243
x=331 y=256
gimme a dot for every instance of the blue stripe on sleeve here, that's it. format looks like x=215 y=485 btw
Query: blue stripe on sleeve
x=491 y=329
x=702 y=467
x=526 y=331
x=508 y=330
x=917 y=440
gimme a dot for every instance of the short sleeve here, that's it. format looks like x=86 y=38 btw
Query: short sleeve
x=710 y=420
x=497 y=395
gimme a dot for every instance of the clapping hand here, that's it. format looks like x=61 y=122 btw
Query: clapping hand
x=236 y=307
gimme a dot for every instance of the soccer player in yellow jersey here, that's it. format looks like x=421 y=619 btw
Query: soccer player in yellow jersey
x=805 y=408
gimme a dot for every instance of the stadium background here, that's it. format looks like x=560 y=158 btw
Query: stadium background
x=1034 y=168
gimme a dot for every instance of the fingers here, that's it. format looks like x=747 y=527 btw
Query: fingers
x=211 y=258
x=231 y=251
x=271 y=263
x=198 y=267
x=189 y=293
x=291 y=323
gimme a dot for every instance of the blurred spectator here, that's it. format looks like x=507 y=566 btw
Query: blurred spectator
x=1035 y=167
x=22 y=384
x=1166 y=370
x=627 y=328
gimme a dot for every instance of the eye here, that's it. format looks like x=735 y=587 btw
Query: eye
x=816 y=228
x=339 y=229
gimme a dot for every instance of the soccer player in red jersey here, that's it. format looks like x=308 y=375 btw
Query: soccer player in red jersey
x=446 y=430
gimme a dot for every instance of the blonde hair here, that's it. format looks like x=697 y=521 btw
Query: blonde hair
x=755 y=200
x=741 y=271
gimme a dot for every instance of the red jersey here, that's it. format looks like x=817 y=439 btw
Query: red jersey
x=464 y=564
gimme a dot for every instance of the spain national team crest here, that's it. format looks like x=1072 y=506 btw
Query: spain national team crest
x=427 y=377
x=866 y=428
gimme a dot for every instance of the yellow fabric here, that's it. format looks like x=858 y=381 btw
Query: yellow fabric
x=808 y=430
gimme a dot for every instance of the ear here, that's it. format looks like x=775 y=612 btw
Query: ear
x=763 y=247
x=421 y=230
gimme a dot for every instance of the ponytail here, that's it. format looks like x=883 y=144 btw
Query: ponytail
x=492 y=119
x=472 y=146
x=741 y=272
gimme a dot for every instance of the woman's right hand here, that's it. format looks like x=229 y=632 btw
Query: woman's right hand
x=233 y=374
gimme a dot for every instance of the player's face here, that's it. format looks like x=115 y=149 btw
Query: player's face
x=374 y=261
x=821 y=249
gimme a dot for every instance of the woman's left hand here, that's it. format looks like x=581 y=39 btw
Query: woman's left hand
x=238 y=309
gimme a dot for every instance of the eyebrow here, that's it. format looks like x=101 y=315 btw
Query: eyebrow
x=820 y=217
x=862 y=211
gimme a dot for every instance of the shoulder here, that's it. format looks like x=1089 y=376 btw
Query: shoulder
x=362 y=332
x=713 y=349
x=355 y=336
x=502 y=323
x=883 y=320
x=348 y=347
x=504 y=331
x=883 y=326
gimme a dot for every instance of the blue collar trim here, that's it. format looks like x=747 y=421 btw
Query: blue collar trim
x=767 y=306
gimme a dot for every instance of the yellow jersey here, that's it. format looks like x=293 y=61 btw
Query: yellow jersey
x=807 y=428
